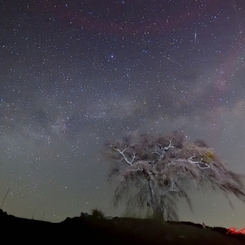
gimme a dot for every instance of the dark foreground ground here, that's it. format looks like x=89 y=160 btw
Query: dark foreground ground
x=91 y=230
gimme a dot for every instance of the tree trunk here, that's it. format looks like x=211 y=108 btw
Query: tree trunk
x=158 y=214
x=157 y=209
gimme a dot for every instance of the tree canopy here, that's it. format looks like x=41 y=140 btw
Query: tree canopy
x=154 y=172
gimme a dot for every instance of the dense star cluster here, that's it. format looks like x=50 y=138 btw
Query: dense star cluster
x=74 y=74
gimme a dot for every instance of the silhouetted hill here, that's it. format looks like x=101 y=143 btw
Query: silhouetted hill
x=92 y=230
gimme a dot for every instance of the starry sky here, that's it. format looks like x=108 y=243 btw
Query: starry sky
x=74 y=74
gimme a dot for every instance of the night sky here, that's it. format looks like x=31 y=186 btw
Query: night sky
x=75 y=74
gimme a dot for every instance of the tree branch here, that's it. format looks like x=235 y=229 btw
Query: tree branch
x=169 y=146
x=161 y=154
x=200 y=163
x=124 y=157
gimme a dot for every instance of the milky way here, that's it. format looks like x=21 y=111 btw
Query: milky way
x=75 y=74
